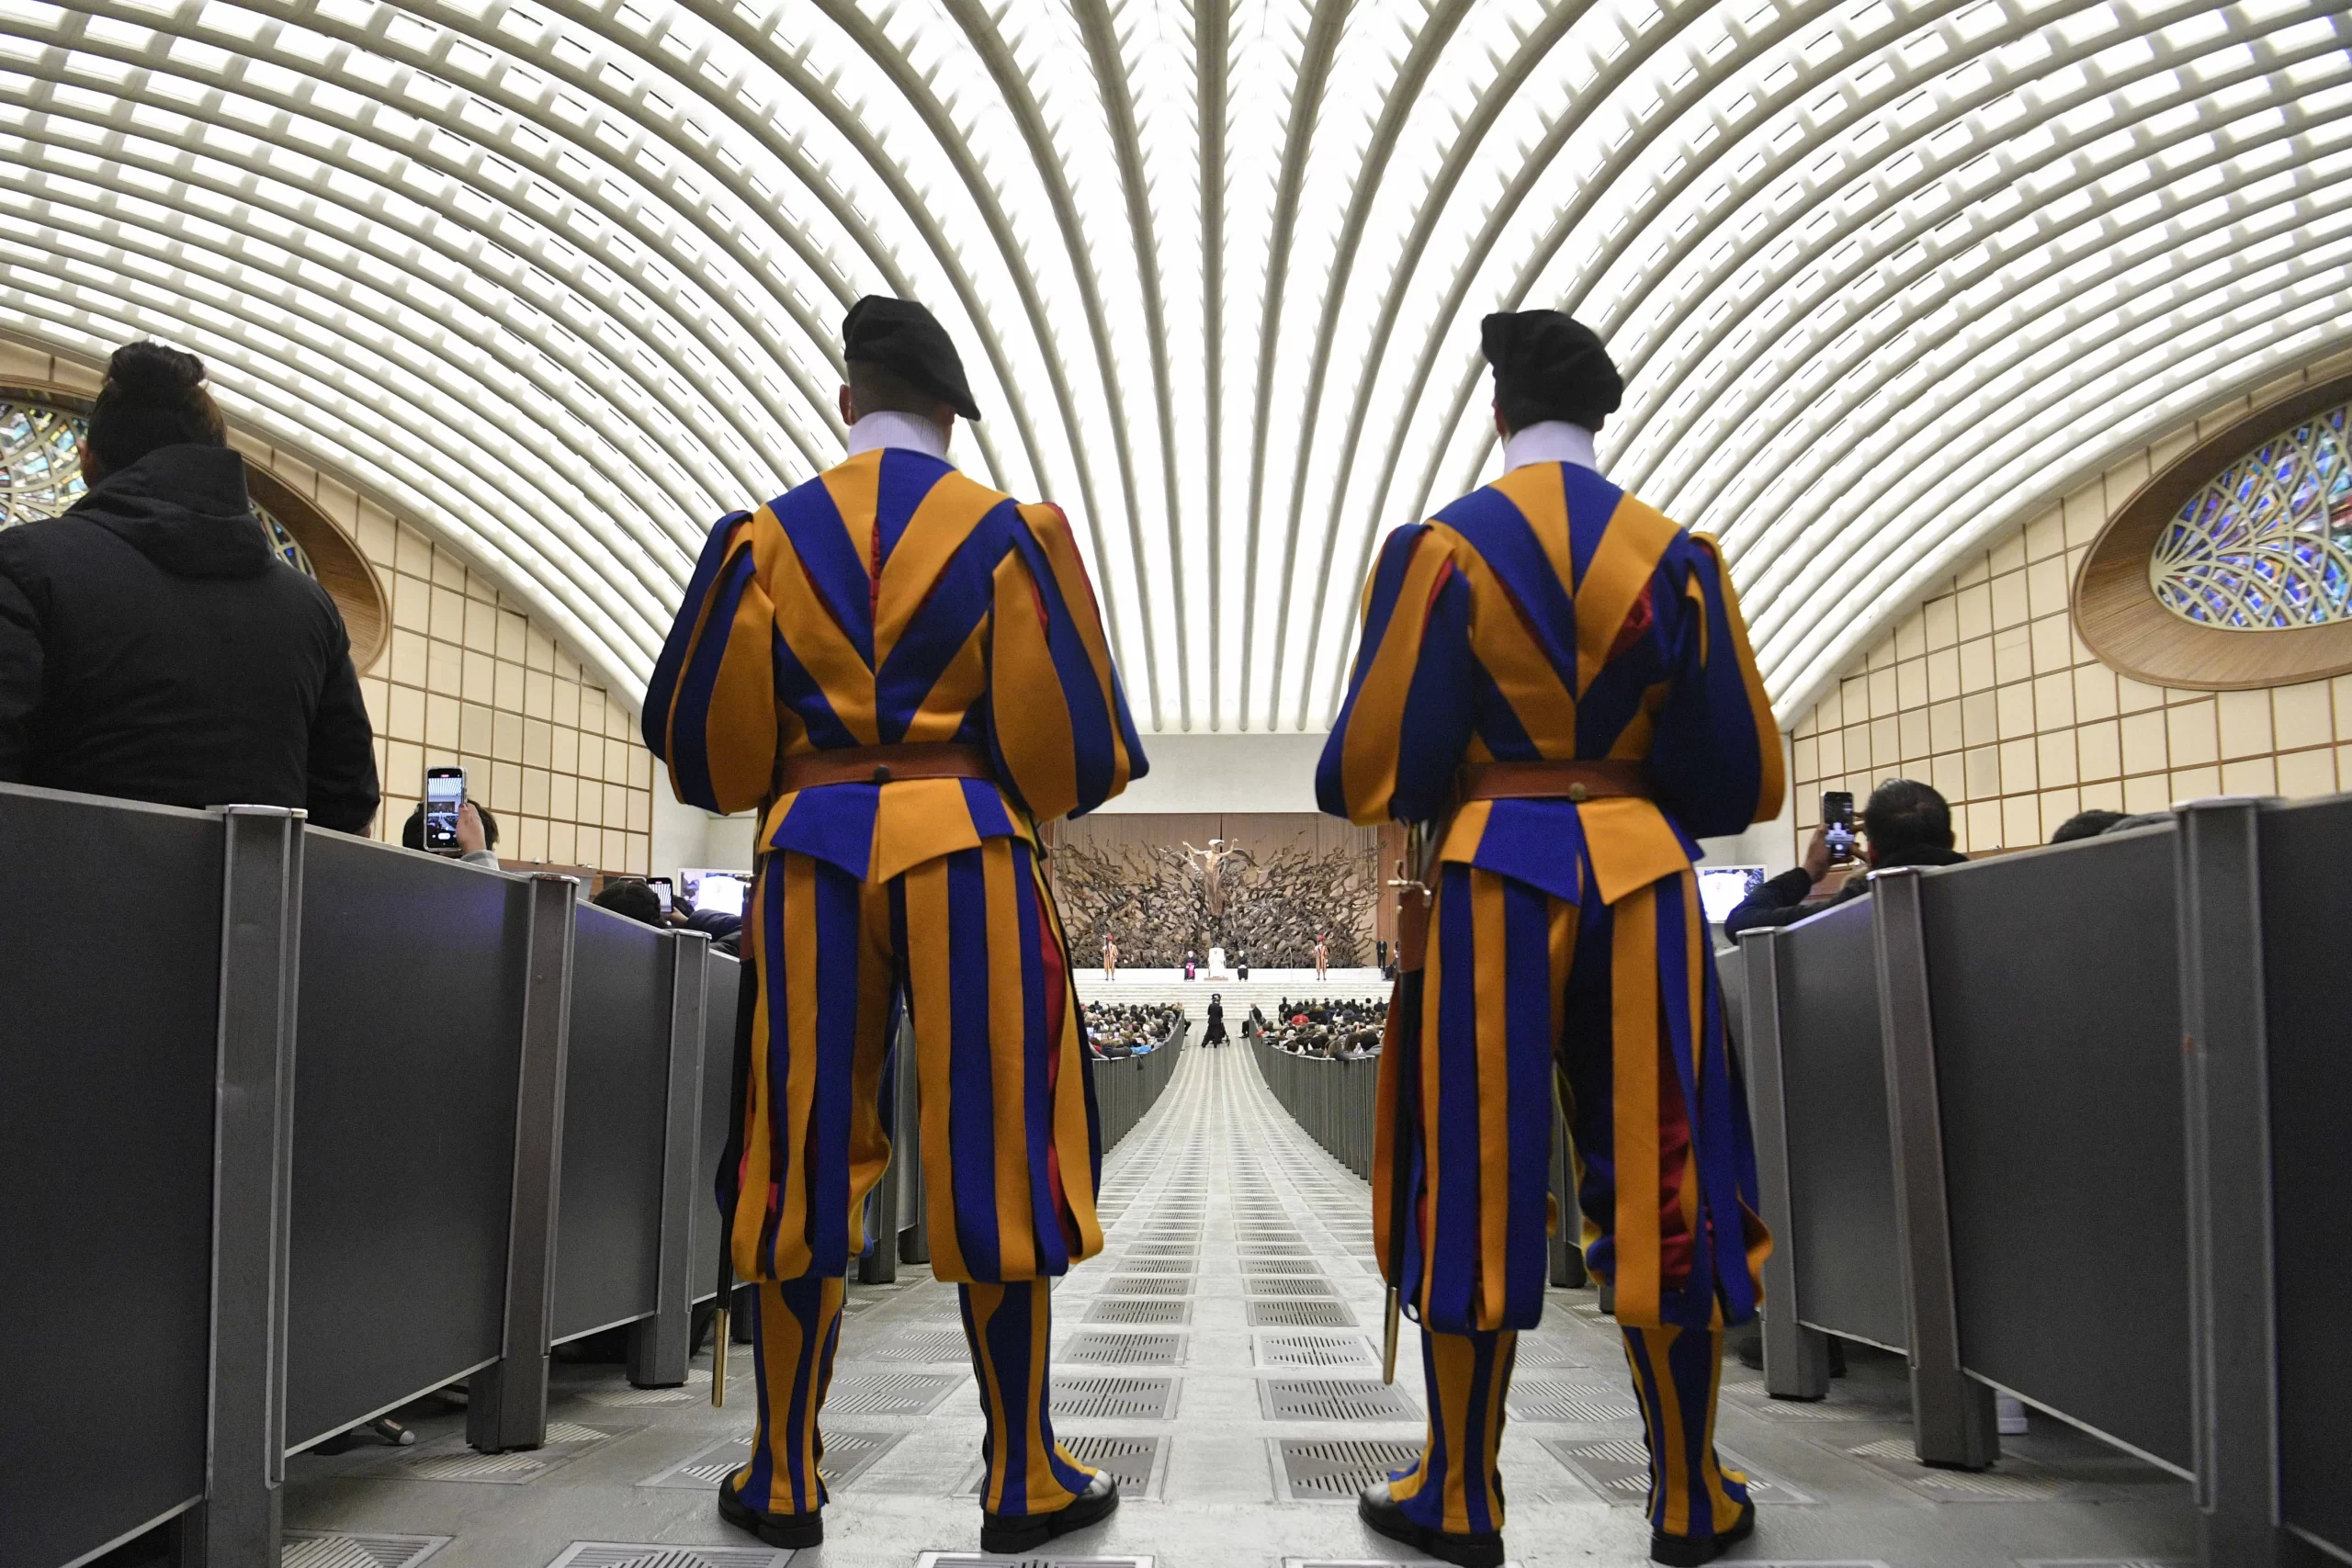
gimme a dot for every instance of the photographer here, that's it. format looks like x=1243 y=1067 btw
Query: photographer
x=1906 y=823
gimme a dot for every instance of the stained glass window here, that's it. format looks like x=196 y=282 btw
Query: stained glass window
x=41 y=472
x=2267 y=545
x=41 y=462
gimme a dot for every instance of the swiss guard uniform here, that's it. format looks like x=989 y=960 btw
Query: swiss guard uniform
x=907 y=671
x=1559 y=677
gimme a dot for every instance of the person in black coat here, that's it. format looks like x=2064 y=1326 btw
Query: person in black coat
x=1907 y=823
x=1215 y=1034
x=153 y=644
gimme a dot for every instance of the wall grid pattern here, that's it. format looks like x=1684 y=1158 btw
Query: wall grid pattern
x=1986 y=691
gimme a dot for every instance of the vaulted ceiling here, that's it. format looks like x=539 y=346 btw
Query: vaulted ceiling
x=562 y=279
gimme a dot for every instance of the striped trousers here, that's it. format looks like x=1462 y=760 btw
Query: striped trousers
x=1612 y=1011
x=1006 y=1328
x=969 y=944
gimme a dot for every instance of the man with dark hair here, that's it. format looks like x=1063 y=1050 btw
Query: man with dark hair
x=2084 y=825
x=907 y=672
x=153 y=644
x=631 y=896
x=1556 y=678
x=1904 y=822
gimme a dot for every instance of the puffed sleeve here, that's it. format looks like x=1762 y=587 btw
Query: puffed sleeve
x=1058 y=719
x=711 y=711
x=1715 y=753
x=1408 y=717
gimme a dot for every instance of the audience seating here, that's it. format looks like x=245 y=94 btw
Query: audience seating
x=357 y=1123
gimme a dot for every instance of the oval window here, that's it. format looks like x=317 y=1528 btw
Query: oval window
x=2267 y=545
x=2232 y=566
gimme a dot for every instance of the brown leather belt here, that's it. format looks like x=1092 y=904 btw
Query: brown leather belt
x=885 y=764
x=1555 y=781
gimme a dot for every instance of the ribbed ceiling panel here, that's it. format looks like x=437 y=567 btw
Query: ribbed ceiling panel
x=562 y=281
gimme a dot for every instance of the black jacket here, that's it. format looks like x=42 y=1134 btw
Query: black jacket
x=1780 y=901
x=152 y=645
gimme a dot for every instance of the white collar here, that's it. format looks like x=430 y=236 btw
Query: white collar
x=890 y=428
x=1550 y=441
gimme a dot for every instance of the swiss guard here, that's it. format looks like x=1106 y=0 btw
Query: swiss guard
x=1554 y=680
x=906 y=671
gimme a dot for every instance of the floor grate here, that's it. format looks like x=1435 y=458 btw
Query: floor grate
x=970 y=1559
x=1138 y=1312
x=1553 y=1400
x=1101 y=1398
x=1286 y=1285
x=1280 y=1265
x=1182 y=1265
x=1333 y=1399
x=697 y=1386
x=1315 y=1350
x=621 y=1555
x=925 y=1346
x=1803 y=1410
x=1134 y=1462
x=1334 y=1471
x=848 y=1455
x=889 y=1393
x=448 y=1459
x=1534 y=1352
x=1618 y=1470
x=1124 y=1349
x=338 y=1548
x=1299 y=1315
x=1147 y=1285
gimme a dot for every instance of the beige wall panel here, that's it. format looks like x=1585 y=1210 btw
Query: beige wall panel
x=2018 y=723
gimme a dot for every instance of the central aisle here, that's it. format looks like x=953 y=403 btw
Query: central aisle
x=1222 y=1357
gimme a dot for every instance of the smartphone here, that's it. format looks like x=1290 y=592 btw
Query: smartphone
x=445 y=797
x=1837 y=817
x=663 y=891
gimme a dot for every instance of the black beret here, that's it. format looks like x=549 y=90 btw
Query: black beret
x=1549 y=366
x=907 y=341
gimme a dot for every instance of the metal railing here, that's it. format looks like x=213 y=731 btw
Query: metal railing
x=369 y=1123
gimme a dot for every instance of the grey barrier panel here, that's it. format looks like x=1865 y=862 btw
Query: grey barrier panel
x=1844 y=1239
x=507 y=1407
x=661 y=1346
x=411 y=1024
x=616 y=1101
x=2056 y=1025
x=239 y=1521
x=1952 y=1417
x=720 y=1002
x=2306 y=908
x=2225 y=1100
x=1796 y=1359
x=105 y=1157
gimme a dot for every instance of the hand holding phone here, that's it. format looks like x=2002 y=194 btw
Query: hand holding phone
x=1837 y=822
x=445 y=800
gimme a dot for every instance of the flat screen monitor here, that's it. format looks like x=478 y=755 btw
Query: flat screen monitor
x=721 y=890
x=1721 y=889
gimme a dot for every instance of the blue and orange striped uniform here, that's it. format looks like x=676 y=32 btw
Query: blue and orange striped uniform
x=892 y=600
x=1551 y=616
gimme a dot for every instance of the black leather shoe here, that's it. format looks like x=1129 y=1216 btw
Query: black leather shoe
x=787 y=1530
x=1689 y=1550
x=1027 y=1532
x=1378 y=1507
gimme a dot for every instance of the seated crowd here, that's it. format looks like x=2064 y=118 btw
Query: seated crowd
x=1117 y=1029
x=1345 y=1028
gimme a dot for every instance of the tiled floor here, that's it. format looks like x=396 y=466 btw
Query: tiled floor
x=1221 y=1358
